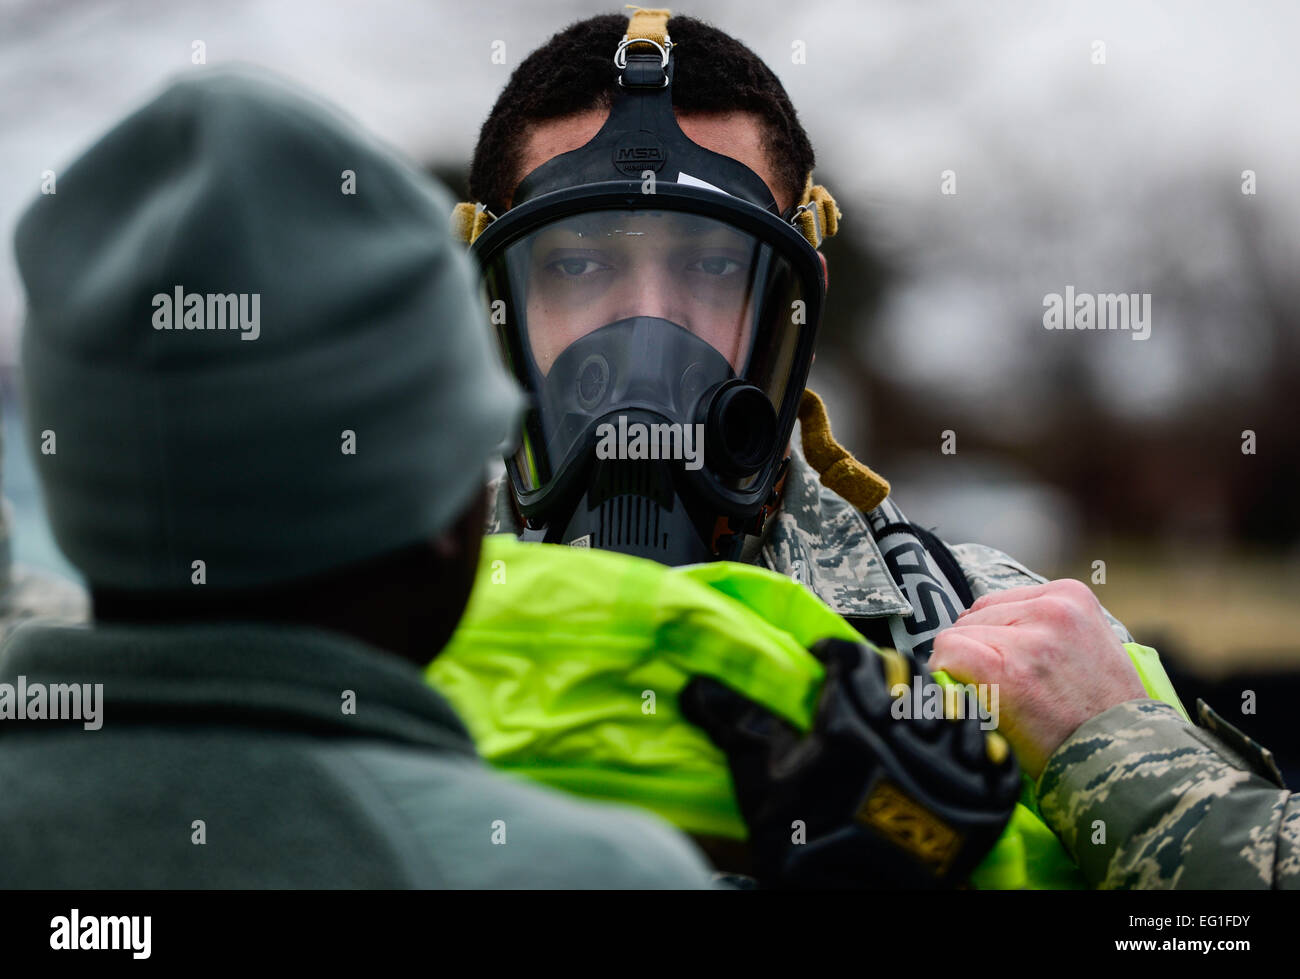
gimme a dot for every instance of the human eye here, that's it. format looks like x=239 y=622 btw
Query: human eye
x=719 y=266
x=573 y=266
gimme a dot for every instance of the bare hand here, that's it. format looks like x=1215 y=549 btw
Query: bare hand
x=1054 y=659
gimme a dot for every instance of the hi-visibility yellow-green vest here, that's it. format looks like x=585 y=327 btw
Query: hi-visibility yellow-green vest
x=568 y=663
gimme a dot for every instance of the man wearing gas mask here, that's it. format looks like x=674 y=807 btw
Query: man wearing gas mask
x=655 y=263
x=647 y=225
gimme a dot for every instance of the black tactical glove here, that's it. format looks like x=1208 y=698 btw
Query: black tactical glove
x=883 y=801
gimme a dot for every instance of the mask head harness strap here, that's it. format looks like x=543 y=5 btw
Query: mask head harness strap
x=817 y=216
x=641 y=138
x=646 y=28
x=839 y=471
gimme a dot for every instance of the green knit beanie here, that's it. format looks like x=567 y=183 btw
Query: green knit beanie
x=251 y=343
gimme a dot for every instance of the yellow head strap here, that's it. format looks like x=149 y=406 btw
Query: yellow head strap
x=839 y=471
x=468 y=221
x=818 y=216
x=647 y=25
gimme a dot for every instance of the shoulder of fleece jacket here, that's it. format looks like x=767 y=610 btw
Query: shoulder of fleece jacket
x=988 y=570
x=1142 y=799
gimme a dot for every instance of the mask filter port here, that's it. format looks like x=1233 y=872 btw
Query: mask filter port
x=739 y=428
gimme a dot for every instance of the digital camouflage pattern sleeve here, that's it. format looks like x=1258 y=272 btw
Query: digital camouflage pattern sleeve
x=1142 y=799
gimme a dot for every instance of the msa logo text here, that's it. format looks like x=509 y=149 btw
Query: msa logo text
x=640 y=154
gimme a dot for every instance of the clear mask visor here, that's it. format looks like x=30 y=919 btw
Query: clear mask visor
x=643 y=311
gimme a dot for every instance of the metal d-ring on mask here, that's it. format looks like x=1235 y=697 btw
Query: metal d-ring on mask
x=661 y=314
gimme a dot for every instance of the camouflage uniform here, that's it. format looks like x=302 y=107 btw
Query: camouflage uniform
x=1180 y=806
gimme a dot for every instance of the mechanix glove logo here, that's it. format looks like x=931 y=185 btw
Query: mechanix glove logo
x=900 y=818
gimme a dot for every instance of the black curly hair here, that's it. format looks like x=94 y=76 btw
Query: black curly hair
x=574 y=72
